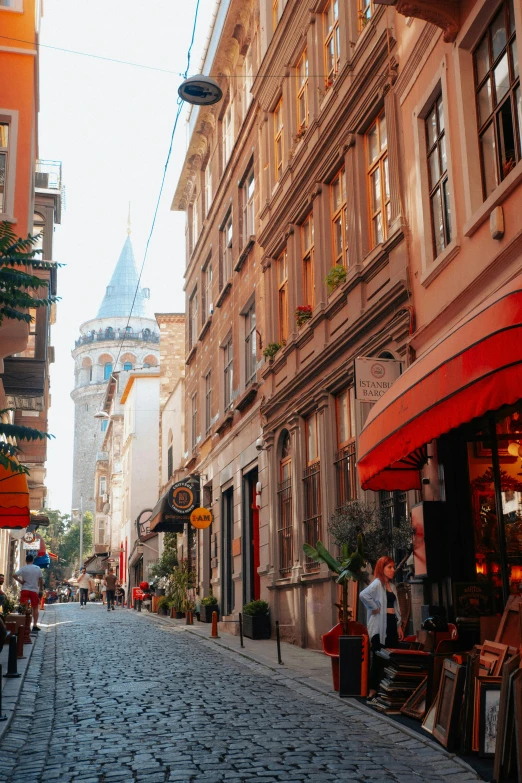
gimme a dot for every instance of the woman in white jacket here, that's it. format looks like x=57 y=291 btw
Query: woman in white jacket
x=384 y=616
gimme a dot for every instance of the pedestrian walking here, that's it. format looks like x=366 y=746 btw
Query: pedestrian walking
x=31 y=579
x=85 y=585
x=111 y=583
x=383 y=616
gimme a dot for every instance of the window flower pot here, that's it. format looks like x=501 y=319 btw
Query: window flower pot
x=205 y=613
x=256 y=627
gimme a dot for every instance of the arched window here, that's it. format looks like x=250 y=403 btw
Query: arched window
x=127 y=366
x=107 y=370
x=284 y=495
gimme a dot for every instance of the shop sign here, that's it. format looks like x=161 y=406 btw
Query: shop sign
x=373 y=377
x=183 y=497
x=201 y=518
x=143 y=523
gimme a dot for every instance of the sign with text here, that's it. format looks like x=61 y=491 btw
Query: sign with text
x=143 y=523
x=373 y=377
x=183 y=497
x=201 y=518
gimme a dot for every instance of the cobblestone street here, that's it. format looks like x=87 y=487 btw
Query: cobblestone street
x=120 y=697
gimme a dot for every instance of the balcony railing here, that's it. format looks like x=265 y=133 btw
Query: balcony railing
x=146 y=337
x=48 y=175
x=346 y=477
x=285 y=532
x=313 y=515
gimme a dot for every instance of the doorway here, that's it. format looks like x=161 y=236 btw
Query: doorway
x=227 y=558
x=251 y=559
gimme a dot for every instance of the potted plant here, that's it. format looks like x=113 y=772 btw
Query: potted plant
x=335 y=277
x=303 y=313
x=209 y=604
x=271 y=350
x=256 y=620
x=163 y=605
x=179 y=582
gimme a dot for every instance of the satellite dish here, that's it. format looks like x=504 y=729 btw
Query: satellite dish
x=200 y=90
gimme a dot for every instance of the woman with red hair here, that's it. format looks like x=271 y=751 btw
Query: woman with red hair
x=383 y=618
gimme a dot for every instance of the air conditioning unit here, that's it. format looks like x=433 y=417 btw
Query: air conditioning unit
x=41 y=180
x=105 y=497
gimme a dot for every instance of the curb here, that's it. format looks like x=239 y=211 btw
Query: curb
x=410 y=733
x=4 y=725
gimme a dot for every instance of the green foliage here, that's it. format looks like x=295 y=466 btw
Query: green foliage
x=271 y=350
x=163 y=602
x=58 y=571
x=63 y=538
x=181 y=580
x=11 y=601
x=209 y=600
x=256 y=608
x=356 y=518
x=335 y=277
x=168 y=560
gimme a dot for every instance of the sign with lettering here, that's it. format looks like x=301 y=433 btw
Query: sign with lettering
x=373 y=377
x=183 y=497
x=143 y=523
x=201 y=518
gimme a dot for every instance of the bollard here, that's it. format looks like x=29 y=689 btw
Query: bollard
x=139 y=605
x=278 y=640
x=214 y=633
x=241 y=629
x=2 y=716
x=27 y=630
x=20 y=643
x=189 y=618
x=12 y=669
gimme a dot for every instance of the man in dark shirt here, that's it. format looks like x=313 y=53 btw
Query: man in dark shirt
x=110 y=582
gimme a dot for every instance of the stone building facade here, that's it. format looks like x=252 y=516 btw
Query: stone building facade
x=115 y=340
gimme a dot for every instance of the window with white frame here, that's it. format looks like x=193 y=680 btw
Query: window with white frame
x=193 y=318
x=378 y=179
x=103 y=485
x=250 y=345
x=208 y=186
x=195 y=222
x=227 y=130
x=282 y=296
x=278 y=6
x=307 y=252
x=339 y=219
x=332 y=41
x=438 y=176
x=366 y=11
x=302 y=94
x=207 y=305
x=194 y=421
x=248 y=79
x=4 y=151
x=208 y=402
x=248 y=205
x=228 y=374
x=279 y=147
x=226 y=250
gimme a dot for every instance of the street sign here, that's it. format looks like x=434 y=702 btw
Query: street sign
x=373 y=377
x=183 y=497
x=201 y=518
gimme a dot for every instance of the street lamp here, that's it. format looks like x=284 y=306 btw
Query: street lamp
x=200 y=90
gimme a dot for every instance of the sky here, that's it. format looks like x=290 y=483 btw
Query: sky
x=110 y=125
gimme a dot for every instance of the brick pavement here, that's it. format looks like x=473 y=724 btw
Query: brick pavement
x=119 y=698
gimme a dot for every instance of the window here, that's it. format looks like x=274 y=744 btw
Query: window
x=226 y=250
x=248 y=79
x=38 y=228
x=248 y=206
x=208 y=402
x=193 y=318
x=438 y=177
x=12 y=5
x=365 y=13
x=302 y=94
x=307 y=250
x=30 y=350
x=278 y=6
x=282 y=295
x=312 y=489
x=284 y=494
x=227 y=130
x=250 y=345
x=107 y=370
x=170 y=456
x=195 y=223
x=378 y=179
x=332 y=41
x=394 y=506
x=339 y=219
x=4 y=148
x=346 y=479
x=208 y=186
x=498 y=97
x=127 y=366
x=104 y=424
x=278 y=139
x=228 y=376
x=103 y=485
x=194 y=421
x=207 y=291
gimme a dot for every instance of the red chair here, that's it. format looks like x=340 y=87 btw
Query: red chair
x=330 y=642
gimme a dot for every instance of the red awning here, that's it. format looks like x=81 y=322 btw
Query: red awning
x=475 y=368
x=14 y=499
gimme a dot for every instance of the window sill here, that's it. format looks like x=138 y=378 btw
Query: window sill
x=5 y=217
x=244 y=253
x=512 y=180
x=247 y=397
x=206 y=327
x=225 y=422
x=191 y=354
x=441 y=262
x=223 y=294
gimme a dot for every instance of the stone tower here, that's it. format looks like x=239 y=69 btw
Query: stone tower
x=111 y=342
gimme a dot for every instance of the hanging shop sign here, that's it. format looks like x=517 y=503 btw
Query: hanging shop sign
x=183 y=497
x=373 y=377
x=201 y=518
x=143 y=524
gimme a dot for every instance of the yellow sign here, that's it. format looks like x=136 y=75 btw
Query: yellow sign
x=201 y=518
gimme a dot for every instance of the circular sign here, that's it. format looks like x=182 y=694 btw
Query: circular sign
x=377 y=370
x=201 y=518
x=200 y=91
x=181 y=498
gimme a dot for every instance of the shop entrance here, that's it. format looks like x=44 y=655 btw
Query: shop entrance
x=251 y=560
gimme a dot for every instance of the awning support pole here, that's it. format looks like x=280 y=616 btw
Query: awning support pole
x=500 y=512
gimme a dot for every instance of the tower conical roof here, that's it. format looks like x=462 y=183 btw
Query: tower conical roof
x=119 y=294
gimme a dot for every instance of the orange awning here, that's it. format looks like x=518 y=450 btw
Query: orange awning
x=475 y=368
x=14 y=499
